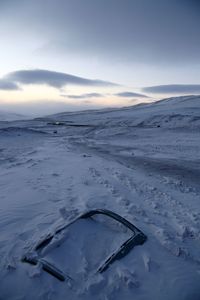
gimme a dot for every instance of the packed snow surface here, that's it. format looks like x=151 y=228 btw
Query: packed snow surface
x=141 y=162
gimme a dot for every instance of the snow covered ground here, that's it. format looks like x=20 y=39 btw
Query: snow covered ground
x=142 y=162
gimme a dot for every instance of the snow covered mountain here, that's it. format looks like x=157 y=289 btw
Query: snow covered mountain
x=173 y=112
x=7 y=116
x=141 y=162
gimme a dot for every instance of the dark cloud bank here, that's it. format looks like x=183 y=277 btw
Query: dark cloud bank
x=84 y=96
x=173 y=89
x=158 y=31
x=131 y=94
x=52 y=78
x=13 y=80
x=6 y=85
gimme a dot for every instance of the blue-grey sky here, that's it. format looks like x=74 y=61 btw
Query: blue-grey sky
x=106 y=51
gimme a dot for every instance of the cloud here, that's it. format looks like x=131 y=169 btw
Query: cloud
x=98 y=95
x=53 y=79
x=8 y=85
x=139 y=30
x=83 y=96
x=131 y=94
x=173 y=89
x=124 y=41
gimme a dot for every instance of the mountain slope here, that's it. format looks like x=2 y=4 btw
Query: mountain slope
x=178 y=111
x=7 y=116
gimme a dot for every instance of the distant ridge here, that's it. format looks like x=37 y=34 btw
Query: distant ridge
x=8 y=116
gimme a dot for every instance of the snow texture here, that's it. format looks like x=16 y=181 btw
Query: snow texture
x=142 y=162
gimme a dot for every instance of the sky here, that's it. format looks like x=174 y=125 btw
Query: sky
x=80 y=54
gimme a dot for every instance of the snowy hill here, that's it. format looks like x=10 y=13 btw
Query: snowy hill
x=141 y=162
x=7 y=116
x=172 y=112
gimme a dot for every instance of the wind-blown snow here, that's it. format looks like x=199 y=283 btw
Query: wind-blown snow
x=142 y=162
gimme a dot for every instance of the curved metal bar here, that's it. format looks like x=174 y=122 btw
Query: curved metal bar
x=48 y=267
x=124 y=249
x=138 y=238
x=89 y=214
x=111 y=215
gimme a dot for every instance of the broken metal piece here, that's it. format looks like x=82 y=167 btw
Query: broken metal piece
x=46 y=266
x=137 y=238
